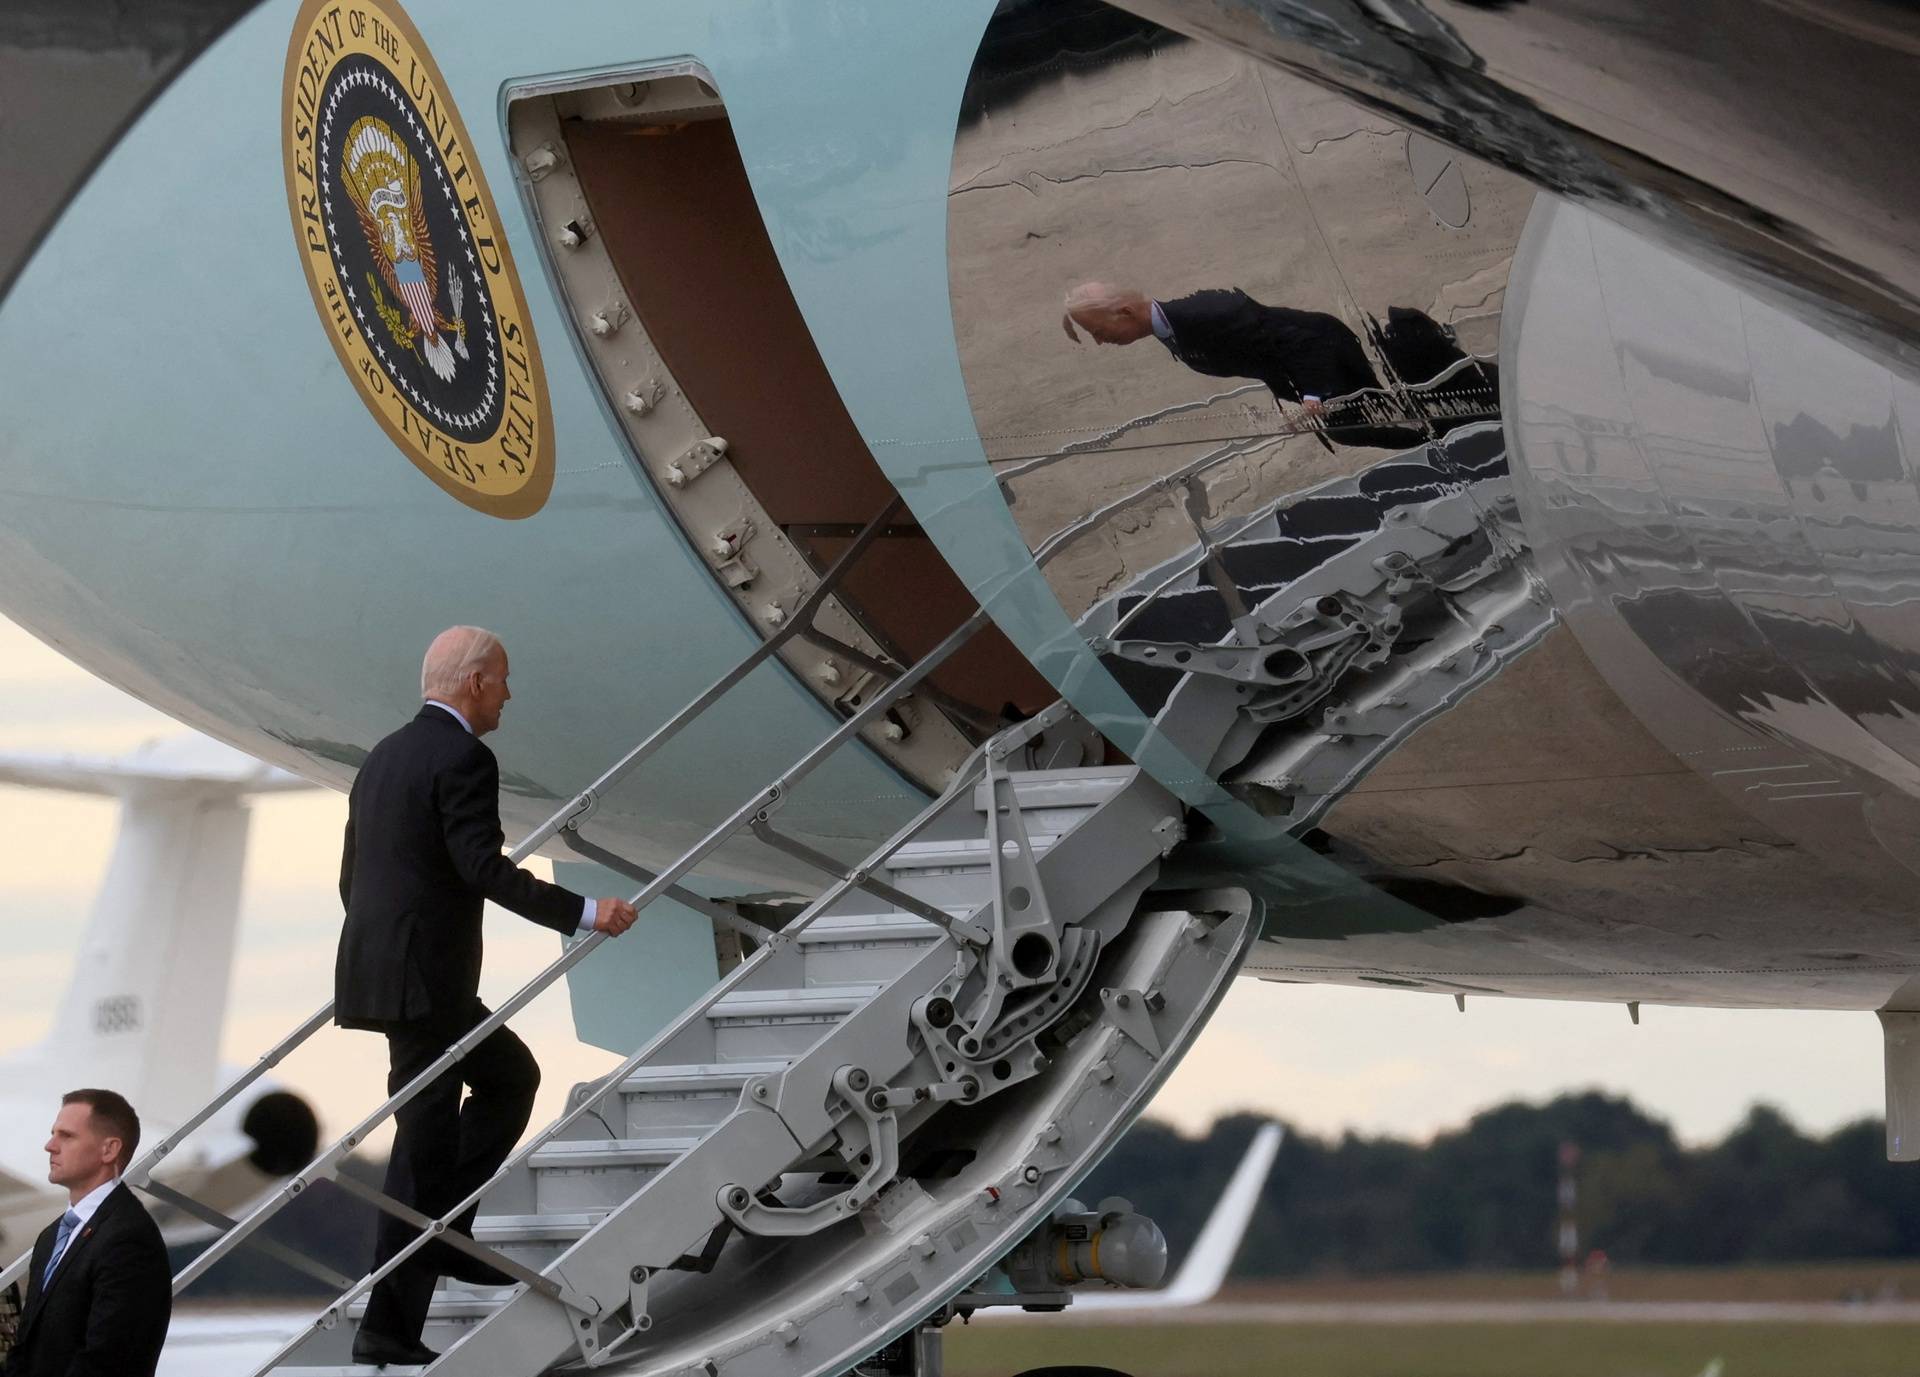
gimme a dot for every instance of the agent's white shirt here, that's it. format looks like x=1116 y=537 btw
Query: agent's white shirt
x=85 y=1207
x=586 y=912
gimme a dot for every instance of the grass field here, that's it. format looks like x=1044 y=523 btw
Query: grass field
x=1552 y=1349
x=1805 y=1281
x=1549 y=1348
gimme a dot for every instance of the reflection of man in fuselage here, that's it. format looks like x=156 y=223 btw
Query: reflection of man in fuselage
x=1306 y=357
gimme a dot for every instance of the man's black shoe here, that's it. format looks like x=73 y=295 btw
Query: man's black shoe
x=383 y=1349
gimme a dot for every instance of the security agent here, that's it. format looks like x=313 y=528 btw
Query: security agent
x=99 y=1292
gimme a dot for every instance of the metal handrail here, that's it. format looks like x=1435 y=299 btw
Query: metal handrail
x=1044 y=552
x=764 y=802
x=964 y=778
x=1052 y=545
x=1101 y=442
x=1211 y=541
x=575 y=811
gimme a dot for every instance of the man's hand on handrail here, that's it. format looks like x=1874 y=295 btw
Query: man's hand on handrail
x=612 y=916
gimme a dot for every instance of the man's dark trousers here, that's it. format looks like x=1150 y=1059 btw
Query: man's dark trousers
x=422 y=854
x=436 y=1128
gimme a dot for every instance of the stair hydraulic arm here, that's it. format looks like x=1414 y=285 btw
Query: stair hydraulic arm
x=1026 y=943
x=870 y=1104
x=821 y=1106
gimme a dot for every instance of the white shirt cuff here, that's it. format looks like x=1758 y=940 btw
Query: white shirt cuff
x=586 y=914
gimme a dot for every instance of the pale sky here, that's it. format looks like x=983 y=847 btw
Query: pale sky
x=1326 y=1059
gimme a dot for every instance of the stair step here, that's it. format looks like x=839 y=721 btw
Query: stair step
x=580 y=1154
x=822 y=1003
x=890 y=925
x=655 y=1100
x=878 y=947
x=444 y=1307
x=871 y=928
x=714 y=1076
x=536 y=1240
x=845 y=924
x=965 y=853
x=756 y=1024
x=1060 y=788
x=574 y=1174
x=536 y=1228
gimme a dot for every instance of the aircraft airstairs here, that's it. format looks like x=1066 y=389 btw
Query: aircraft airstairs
x=827 y=1154
x=864 y=1117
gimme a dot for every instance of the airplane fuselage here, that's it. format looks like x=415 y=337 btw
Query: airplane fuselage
x=1614 y=692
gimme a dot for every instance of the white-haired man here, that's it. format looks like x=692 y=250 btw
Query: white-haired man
x=423 y=851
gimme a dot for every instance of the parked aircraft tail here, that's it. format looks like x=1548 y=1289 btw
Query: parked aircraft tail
x=143 y=1011
x=1205 y=1269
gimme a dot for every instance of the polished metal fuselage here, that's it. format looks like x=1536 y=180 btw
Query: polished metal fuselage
x=1682 y=763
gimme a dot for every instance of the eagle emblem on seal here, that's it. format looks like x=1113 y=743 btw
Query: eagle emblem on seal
x=382 y=179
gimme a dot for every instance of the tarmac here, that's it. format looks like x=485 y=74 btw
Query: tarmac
x=1361 y=1313
x=230 y=1340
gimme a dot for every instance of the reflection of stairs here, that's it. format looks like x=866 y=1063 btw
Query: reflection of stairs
x=868 y=1113
x=1292 y=648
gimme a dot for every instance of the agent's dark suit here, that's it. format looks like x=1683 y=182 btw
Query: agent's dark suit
x=1225 y=333
x=104 y=1311
x=423 y=850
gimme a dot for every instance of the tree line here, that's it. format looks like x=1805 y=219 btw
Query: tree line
x=1485 y=1195
x=1481 y=1196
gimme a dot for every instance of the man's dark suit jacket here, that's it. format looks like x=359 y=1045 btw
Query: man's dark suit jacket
x=422 y=852
x=105 y=1311
x=1227 y=334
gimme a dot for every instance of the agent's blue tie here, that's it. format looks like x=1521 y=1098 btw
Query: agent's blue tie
x=68 y=1223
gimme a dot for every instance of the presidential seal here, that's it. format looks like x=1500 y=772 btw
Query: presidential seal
x=405 y=258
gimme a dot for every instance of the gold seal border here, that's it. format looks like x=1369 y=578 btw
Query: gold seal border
x=533 y=492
